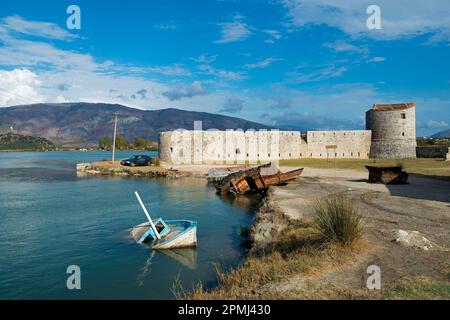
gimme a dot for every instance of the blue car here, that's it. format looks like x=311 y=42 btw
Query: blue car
x=137 y=160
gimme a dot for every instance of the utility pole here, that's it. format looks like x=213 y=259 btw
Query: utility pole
x=116 y=117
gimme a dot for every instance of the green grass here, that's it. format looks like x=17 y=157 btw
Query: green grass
x=428 y=167
x=337 y=219
x=418 y=289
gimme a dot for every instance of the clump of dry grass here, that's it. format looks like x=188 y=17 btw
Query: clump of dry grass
x=337 y=219
x=156 y=161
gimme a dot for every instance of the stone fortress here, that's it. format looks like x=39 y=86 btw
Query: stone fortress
x=390 y=134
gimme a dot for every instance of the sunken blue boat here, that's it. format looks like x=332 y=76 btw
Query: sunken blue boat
x=165 y=234
x=173 y=234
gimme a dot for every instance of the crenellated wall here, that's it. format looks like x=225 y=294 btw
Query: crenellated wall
x=339 y=144
x=391 y=133
x=229 y=147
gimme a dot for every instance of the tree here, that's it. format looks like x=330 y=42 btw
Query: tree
x=141 y=143
x=105 y=143
x=122 y=143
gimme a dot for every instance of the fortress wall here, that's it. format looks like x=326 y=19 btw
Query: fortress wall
x=212 y=147
x=433 y=152
x=341 y=144
x=228 y=147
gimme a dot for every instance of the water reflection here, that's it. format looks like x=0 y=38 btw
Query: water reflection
x=37 y=174
x=145 y=269
x=87 y=220
x=184 y=256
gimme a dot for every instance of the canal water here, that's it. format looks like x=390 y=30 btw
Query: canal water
x=51 y=219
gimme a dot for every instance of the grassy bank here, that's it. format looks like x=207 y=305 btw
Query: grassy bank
x=323 y=257
x=291 y=268
x=428 y=167
x=117 y=165
x=301 y=248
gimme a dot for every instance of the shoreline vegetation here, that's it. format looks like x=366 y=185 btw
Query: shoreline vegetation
x=295 y=259
x=107 y=168
x=282 y=249
x=14 y=142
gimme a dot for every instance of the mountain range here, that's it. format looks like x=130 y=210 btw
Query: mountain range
x=442 y=135
x=83 y=124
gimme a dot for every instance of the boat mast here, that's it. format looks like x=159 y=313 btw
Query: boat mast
x=148 y=216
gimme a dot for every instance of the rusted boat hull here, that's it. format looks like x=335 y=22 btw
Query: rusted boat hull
x=251 y=181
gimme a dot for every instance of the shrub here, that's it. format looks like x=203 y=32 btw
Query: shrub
x=156 y=161
x=336 y=219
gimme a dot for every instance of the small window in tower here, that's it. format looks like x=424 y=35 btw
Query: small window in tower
x=403 y=134
x=238 y=151
x=403 y=115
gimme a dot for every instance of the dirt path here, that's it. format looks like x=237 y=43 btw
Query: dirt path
x=423 y=205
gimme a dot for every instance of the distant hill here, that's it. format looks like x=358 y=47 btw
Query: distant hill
x=13 y=141
x=442 y=135
x=83 y=124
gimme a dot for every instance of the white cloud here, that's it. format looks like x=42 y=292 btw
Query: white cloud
x=317 y=74
x=18 y=87
x=343 y=46
x=205 y=58
x=220 y=73
x=377 y=59
x=435 y=124
x=399 y=19
x=262 y=63
x=175 y=70
x=170 y=25
x=36 y=28
x=237 y=30
x=16 y=52
x=274 y=35
x=180 y=92
x=232 y=104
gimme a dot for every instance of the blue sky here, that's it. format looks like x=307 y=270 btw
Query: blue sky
x=302 y=64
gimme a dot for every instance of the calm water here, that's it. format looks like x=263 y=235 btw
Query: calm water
x=50 y=219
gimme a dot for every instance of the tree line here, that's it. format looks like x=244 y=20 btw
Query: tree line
x=122 y=143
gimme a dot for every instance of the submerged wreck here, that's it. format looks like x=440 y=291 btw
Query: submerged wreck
x=162 y=234
x=255 y=180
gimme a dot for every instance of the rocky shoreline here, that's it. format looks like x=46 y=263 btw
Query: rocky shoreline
x=104 y=170
x=268 y=223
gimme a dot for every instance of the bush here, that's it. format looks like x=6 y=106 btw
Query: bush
x=156 y=161
x=336 y=219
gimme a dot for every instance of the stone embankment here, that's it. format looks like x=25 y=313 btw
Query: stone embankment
x=107 y=169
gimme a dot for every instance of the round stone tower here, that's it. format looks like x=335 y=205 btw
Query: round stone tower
x=393 y=130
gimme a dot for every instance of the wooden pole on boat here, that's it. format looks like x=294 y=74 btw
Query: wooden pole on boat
x=148 y=216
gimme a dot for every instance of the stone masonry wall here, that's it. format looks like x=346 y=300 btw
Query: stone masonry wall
x=393 y=133
x=339 y=144
x=433 y=152
x=229 y=147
